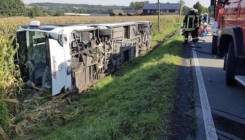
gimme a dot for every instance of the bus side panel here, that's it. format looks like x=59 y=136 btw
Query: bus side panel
x=58 y=66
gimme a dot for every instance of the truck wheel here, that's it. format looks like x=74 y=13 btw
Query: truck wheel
x=215 y=45
x=230 y=66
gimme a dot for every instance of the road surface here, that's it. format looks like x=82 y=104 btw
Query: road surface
x=226 y=104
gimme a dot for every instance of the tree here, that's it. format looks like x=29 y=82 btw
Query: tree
x=185 y=10
x=30 y=13
x=12 y=8
x=45 y=14
x=137 y=5
x=200 y=8
x=37 y=11
x=58 y=13
x=34 y=11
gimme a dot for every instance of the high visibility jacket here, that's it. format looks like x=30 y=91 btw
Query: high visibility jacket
x=190 y=22
x=198 y=18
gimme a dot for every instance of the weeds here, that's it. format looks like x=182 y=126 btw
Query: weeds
x=9 y=83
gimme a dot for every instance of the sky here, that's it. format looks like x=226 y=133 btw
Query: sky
x=188 y=3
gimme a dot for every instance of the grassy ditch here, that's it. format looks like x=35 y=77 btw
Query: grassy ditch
x=135 y=103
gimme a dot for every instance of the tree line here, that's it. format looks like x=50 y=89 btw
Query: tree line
x=18 y=8
x=201 y=9
x=12 y=8
x=137 y=5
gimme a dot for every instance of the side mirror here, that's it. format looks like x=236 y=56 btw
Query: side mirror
x=212 y=2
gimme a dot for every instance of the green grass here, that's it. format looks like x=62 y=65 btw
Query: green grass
x=135 y=103
x=164 y=32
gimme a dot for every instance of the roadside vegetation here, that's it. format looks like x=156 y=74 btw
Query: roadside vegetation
x=10 y=85
x=134 y=103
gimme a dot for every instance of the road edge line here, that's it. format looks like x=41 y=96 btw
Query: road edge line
x=206 y=111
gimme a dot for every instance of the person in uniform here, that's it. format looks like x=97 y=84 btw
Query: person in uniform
x=190 y=22
x=205 y=18
x=197 y=25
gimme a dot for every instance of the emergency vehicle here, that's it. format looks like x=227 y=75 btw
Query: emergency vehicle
x=228 y=38
x=61 y=57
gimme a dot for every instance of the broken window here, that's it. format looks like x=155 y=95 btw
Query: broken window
x=34 y=58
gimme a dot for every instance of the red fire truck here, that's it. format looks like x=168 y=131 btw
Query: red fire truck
x=228 y=38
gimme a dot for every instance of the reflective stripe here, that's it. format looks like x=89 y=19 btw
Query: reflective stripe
x=190 y=29
x=188 y=23
x=198 y=19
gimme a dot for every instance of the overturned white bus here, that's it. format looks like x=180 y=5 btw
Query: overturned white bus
x=61 y=57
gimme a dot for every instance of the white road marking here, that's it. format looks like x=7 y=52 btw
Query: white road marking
x=206 y=111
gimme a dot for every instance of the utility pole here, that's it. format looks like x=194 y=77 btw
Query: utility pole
x=180 y=9
x=182 y=3
x=158 y=16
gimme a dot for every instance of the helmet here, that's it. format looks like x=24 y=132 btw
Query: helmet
x=192 y=10
x=205 y=24
x=196 y=11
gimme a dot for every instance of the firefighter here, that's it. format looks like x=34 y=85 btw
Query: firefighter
x=197 y=25
x=190 y=22
x=205 y=18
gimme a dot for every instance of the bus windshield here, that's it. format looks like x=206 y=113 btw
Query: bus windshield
x=34 y=58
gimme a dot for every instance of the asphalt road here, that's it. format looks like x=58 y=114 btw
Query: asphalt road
x=227 y=104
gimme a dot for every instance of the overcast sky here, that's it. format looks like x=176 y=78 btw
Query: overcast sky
x=189 y=3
